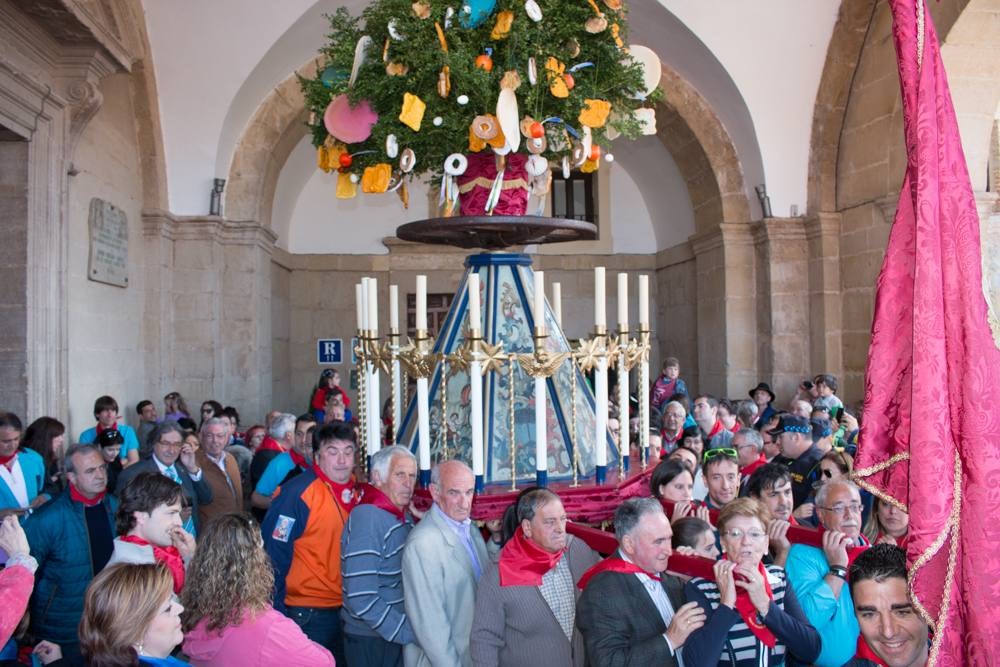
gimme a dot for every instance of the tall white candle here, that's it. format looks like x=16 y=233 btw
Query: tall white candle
x=423 y=426
x=421 y=303
x=359 y=305
x=373 y=304
x=623 y=302
x=644 y=302
x=539 y=309
x=557 y=302
x=364 y=304
x=475 y=315
x=393 y=307
x=476 y=408
x=600 y=318
x=601 y=411
x=541 y=434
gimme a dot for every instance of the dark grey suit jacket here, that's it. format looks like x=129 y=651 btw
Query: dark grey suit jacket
x=196 y=492
x=515 y=626
x=620 y=624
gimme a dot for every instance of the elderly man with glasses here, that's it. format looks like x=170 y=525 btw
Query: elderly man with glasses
x=819 y=576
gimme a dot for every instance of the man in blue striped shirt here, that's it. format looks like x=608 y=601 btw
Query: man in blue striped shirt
x=371 y=557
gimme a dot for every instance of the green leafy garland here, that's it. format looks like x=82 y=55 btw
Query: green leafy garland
x=614 y=77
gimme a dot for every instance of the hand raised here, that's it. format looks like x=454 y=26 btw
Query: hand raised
x=835 y=546
x=724 y=580
x=686 y=620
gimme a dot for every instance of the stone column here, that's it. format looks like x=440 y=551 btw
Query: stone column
x=208 y=322
x=825 y=302
x=726 y=292
x=783 y=303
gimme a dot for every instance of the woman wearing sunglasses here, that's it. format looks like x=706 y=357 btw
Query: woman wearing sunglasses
x=753 y=615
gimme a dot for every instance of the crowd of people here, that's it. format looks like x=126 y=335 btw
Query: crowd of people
x=183 y=542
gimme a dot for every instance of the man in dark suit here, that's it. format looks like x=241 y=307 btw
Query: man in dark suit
x=176 y=460
x=629 y=612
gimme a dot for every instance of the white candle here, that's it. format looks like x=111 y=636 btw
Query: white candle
x=623 y=302
x=359 y=305
x=364 y=304
x=644 y=302
x=421 y=303
x=393 y=308
x=475 y=315
x=539 y=309
x=601 y=412
x=373 y=304
x=423 y=426
x=557 y=302
x=541 y=443
x=476 y=408
x=600 y=320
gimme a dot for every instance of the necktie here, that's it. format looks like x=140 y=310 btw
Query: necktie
x=171 y=472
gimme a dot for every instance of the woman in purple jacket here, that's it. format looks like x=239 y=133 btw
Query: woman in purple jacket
x=228 y=619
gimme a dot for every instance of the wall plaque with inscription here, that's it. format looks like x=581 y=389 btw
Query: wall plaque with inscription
x=108 y=244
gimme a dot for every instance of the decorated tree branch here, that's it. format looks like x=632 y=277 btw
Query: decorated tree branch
x=487 y=96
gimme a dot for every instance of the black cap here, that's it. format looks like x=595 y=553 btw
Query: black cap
x=792 y=424
x=821 y=427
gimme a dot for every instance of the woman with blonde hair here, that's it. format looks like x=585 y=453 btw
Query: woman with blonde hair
x=887 y=523
x=228 y=618
x=131 y=617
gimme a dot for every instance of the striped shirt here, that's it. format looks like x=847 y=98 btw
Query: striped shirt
x=742 y=648
x=371 y=560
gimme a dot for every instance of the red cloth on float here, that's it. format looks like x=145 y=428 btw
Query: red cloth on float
x=523 y=563
x=169 y=556
x=475 y=184
x=930 y=439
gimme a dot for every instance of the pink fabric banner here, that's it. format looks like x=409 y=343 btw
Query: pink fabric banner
x=930 y=440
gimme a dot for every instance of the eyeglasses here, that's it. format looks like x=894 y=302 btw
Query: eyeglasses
x=728 y=452
x=168 y=443
x=853 y=508
x=738 y=533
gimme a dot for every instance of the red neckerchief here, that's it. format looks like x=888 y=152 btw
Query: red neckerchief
x=613 y=564
x=374 y=496
x=522 y=563
x=716 y=429
x=298 y=459
x=346 y=495
x=736 y=428
x=8 y=460
x=101 y=429
x=792 y=521
x=854 y=552
x=169 y=556
x=901 y=541
x=78 y=497
x=751 y=467
x=865 y=651
x=269 y=444
x=670 y=440
x=748 y=612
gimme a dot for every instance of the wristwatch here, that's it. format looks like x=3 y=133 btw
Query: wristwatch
x=838 y=571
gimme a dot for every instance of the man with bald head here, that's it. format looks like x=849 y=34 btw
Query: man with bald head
x=443 y=560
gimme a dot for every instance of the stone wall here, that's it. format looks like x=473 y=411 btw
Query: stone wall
x=13 y=273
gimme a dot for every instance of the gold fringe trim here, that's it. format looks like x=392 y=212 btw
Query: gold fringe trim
x=483 y=182
x=951 y=527
x=879 y=467
x=920 y=35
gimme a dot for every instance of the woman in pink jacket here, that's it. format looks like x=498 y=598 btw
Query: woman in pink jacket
x=228 y=618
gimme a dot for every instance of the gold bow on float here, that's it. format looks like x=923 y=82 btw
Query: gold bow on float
x=542 y=363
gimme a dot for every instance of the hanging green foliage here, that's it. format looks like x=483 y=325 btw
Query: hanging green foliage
x=440 y=66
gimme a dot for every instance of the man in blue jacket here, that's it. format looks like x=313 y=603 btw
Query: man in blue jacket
x=72 y=538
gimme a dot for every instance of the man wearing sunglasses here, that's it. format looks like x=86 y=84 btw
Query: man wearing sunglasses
x=721 y=470
x=819 y=576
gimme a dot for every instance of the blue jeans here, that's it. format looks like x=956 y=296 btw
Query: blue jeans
x=322 y=625
x=372 y=652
